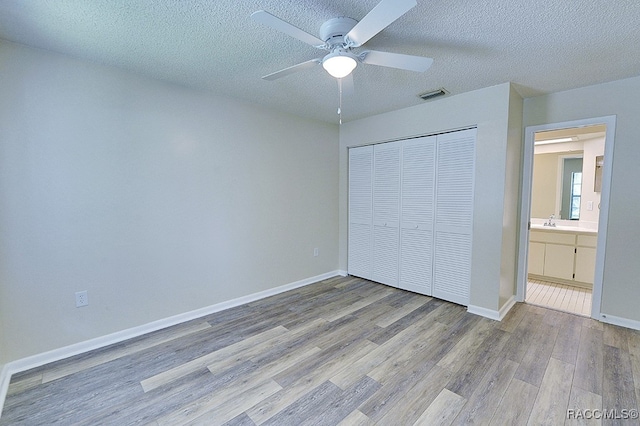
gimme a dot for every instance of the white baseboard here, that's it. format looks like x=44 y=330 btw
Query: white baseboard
x=622 y=322
x=34 y=361
x=342 y=273
x=507 y=307
x=491 y=313
x=484 y=312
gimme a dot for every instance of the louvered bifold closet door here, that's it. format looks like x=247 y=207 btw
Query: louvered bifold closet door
x=386 y=212
x=454 y=215
x=360 y=211
x=416 y=214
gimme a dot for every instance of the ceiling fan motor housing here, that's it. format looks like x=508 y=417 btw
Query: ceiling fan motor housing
x=333 y=31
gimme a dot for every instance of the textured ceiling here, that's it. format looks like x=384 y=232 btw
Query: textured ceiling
x=541 y=45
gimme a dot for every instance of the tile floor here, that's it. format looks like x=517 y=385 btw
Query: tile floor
x=576 y=300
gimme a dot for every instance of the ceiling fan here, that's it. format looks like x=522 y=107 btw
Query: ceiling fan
x=339 y=36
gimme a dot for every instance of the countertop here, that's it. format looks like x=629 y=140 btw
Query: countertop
x=561 y=228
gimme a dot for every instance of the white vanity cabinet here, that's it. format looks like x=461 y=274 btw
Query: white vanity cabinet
x=562 y=256
x=536 y=258
x=559 y=261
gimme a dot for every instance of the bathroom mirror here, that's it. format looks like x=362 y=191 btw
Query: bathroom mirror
x=567 y=169
x=557 y=184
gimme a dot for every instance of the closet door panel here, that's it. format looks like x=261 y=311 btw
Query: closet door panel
x=386 y=212
x=360 y=250
x=360 y=212
x=385 y=255
x=416 y=259
x=416 y=214
x=454 y=215
x=452 y=267
x=455 y=170
x=386 y=184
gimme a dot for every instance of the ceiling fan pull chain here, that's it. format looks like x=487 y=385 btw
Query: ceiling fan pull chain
x=340 y=101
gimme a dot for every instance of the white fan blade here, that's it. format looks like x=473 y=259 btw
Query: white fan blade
x=397 y=60
x=345 y=85
x=300 y=67
x=377 y=20
x=276 y=23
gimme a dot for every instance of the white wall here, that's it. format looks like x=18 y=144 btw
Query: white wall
x=157 y=199
x=489 y=110
x=620 y=288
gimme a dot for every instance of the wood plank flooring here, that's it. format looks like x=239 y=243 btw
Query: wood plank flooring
x=345 y=351
x=567 y=298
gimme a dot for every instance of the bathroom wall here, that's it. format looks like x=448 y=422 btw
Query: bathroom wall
x=545 y=185
x=592 y=149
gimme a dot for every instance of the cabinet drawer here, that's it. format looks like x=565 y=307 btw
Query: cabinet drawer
x=553 y=237
x=587 y=240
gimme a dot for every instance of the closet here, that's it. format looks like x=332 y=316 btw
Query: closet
x=410 y=214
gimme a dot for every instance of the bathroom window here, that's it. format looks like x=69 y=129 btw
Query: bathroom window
x=576 y=187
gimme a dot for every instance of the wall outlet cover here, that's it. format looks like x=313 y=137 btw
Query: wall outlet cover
x=82 y=298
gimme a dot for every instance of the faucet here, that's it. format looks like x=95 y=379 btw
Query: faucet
x=550 y=222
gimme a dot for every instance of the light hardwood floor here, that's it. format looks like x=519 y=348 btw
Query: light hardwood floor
x=567 y=298
x=344 y=351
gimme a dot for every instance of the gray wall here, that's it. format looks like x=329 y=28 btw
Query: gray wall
x=157 y=199
x=621 y=285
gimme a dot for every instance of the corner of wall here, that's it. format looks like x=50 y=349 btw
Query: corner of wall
x=343 y=178
x=5 y=378
x=493 y=314
x=512 y=194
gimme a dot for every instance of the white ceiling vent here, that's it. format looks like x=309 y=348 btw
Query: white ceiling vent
x=433 y=94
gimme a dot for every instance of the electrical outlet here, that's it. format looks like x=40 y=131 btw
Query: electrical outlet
x=82 y=298
x=315 y=251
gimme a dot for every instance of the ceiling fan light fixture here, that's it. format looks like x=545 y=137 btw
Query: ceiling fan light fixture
x=339 y=63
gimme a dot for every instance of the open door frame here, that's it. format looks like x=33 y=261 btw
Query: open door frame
x=525 y=206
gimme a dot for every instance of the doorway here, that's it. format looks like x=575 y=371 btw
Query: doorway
x=564 y=214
